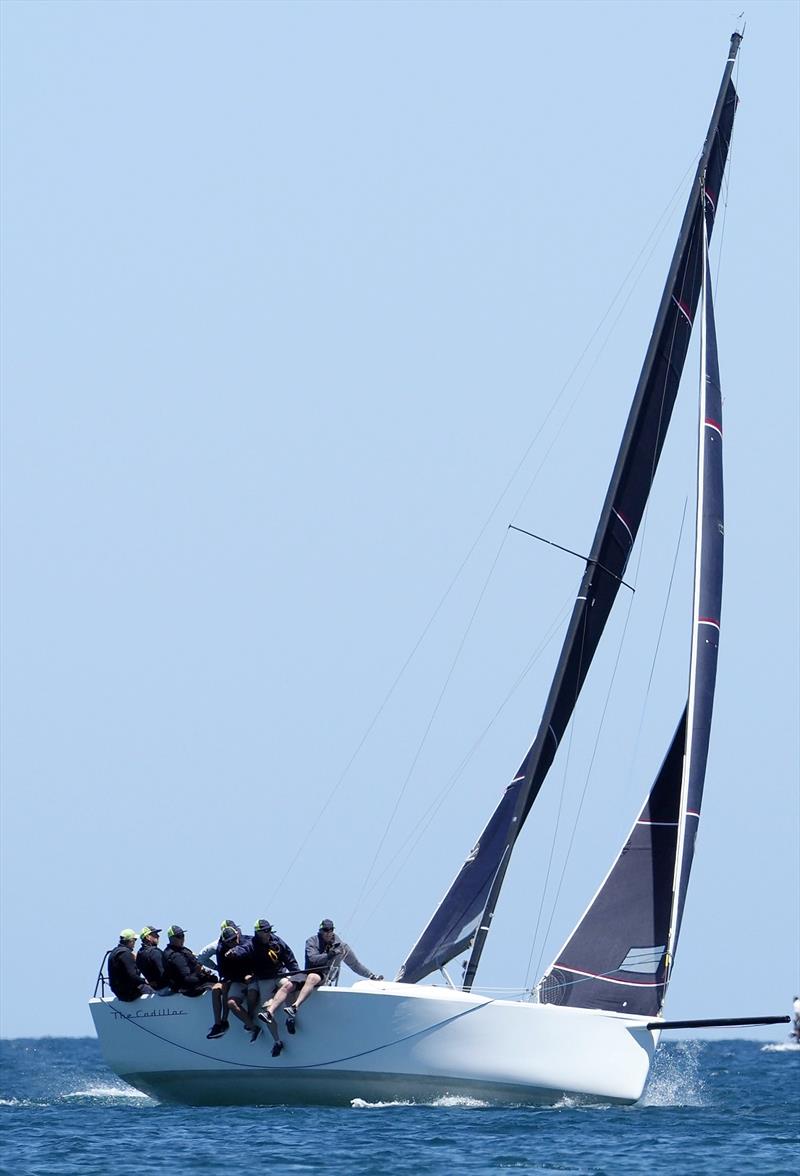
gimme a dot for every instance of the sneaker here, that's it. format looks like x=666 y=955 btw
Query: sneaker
x=276 y=1049
x=266 y=1017
x=291 y=1020
x=216 y=1030
x=255 y=1033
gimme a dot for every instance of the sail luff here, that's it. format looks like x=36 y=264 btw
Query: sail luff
x=707 y=610
x=620 y=955
x=466 y=911
x=698 y=571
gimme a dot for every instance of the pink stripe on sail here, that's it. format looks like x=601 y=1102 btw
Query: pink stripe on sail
x=610 y=980
x=683 y=309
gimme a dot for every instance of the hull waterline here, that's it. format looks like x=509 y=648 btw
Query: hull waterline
x=379 y=1042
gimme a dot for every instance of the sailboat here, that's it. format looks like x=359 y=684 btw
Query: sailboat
x=595 y=1018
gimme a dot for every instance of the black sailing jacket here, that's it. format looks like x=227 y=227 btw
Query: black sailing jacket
x=124 y=977
x=182 y=971
x=150 y=961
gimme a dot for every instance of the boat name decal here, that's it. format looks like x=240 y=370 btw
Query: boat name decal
x=140 y=1014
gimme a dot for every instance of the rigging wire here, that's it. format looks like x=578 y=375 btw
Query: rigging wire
x=562 y=792
x=655 y=236
x=427 y=730
x=643 y=708
x=597 y=744
x=652 y=241
x=657 y=230
x=424 y=823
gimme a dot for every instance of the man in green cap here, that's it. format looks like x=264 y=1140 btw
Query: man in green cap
x=181 y=969
x=150 y=959
x=127 y=982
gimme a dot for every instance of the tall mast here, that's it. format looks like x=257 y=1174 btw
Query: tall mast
x=573 y=663
x=463 y=917
x=619 y=957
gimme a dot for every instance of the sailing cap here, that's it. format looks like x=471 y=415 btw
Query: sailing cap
x=326 y=925
x=229 y=923
x=228 y=934
x=175 y=931
x=149 y=930
x=127 y=934
x=263 y=925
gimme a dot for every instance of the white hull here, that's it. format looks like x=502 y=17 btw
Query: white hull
x=379 y=1041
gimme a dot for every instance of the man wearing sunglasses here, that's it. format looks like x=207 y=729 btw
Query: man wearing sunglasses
x=325 y=954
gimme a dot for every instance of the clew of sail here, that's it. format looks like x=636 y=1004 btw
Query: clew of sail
x=464 y=915
x=620 y=955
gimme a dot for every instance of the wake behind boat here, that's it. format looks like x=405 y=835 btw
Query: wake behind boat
x=597 y=1014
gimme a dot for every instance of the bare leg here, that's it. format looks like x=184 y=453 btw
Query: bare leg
x=252 y=1004
x=312 y=981
x=216 y=1003
x=285 y=988
x=239 y=1012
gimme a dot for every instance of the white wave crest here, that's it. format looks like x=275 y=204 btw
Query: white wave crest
x=445 y=1100
x=106 y=1092
x=781 y=1047
x=362 y=1103
x=458 y=1100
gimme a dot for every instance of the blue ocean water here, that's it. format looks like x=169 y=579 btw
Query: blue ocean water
x=710 y=1107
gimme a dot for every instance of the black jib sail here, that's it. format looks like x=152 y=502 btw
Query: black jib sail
x=464 y=916
x=620 y=955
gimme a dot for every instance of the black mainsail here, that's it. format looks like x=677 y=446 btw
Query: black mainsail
x=620 y=955
x=464 y=916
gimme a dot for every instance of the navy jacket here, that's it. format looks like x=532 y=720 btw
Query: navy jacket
x=124 y=977
x=266 y=961
x=231 y=966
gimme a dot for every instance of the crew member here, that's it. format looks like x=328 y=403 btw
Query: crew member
x=325 y=954
x=127 y=982
x=272 y=963
x=150 y=959
x=230 y=992
x=181 y=970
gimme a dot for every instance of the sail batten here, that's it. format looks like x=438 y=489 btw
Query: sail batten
x=465 y=914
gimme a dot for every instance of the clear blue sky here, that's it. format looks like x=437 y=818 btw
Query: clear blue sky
x=288 y=289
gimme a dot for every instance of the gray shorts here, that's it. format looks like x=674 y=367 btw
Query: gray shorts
x=268 y=988
x=238 y=989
